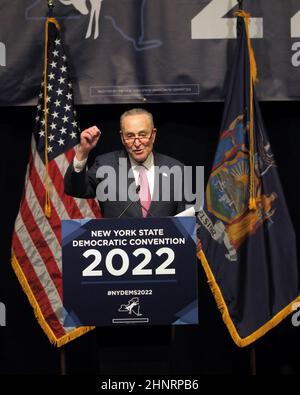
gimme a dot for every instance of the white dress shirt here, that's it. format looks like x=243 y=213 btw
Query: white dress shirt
x=149 y=166
x=79 y=164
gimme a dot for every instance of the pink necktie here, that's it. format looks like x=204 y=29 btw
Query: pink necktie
x=144 y=193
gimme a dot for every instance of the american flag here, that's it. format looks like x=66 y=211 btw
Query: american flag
x=36 y=244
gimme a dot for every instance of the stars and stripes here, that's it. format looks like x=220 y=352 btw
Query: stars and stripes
x=59 y=109
x=37 y=239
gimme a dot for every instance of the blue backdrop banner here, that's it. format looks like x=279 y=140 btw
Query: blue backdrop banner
x=149 y=50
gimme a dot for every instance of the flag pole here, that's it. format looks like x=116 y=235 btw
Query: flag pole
x=50 y=8
x=62 y=355
x=252 y=347
x=252 y=360
x=62 y=361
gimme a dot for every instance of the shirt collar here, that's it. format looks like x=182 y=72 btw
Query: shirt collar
x=148 y=163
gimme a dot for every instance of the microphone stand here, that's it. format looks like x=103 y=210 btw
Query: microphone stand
x=148 y=212
x=126 y=208
x=134 y=202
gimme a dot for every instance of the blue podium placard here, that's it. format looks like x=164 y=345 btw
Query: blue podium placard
x=140 y=271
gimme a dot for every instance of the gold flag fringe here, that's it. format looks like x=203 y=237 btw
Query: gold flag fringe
x=73 y=334
x=241 y=342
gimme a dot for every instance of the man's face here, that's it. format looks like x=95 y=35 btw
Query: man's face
x=138 y=126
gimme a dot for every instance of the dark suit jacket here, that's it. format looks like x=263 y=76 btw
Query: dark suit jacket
x=85 y=183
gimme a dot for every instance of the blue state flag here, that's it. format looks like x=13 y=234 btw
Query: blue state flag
x=248 y=242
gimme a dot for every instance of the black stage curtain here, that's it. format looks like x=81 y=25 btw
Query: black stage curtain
x=188 y=132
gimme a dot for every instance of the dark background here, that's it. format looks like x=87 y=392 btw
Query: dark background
x=188 y=132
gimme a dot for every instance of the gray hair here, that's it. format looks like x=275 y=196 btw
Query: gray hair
x=136 y=111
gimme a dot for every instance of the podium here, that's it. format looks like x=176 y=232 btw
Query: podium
x=131 y=271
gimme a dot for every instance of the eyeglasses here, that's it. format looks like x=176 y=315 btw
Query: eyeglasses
x=143 y=138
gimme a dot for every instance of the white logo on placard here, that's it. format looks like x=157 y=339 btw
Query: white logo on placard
x=133 y=314
x=132 y=307
x=2 y=54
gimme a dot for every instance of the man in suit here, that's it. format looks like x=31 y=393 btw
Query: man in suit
x=117 y=178
x=163 y=189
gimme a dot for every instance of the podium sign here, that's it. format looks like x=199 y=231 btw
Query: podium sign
x=140 y=271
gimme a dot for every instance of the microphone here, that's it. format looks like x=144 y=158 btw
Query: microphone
x=138 y=188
